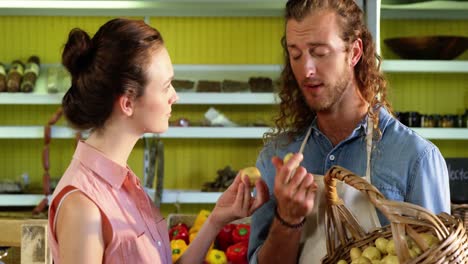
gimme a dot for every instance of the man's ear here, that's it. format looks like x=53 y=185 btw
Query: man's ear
x=356 y=52
x=126 y=105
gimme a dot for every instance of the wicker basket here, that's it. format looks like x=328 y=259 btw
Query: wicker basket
x=461 y=211
x=344 y=232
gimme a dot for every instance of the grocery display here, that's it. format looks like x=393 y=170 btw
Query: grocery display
x=14 y=76
x=31 y=72
x=230 y=245
x=2 y=78
x=19 y=77
x=57 y=82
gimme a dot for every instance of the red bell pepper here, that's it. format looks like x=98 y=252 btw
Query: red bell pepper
x=237 y=253
x=179 y=231
x=224 y=237
x=241 y=233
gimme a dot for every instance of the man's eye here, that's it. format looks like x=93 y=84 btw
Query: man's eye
x=320 y=52
x=295 y=55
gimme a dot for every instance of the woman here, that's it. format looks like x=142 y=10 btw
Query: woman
x=121 y=89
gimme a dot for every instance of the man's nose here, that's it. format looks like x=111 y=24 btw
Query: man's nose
x=309 y=67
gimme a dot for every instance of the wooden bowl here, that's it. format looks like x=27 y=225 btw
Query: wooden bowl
x=428 y=47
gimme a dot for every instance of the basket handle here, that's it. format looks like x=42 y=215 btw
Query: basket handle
x=402 y=216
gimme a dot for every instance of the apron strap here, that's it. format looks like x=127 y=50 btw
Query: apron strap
x=370 y=130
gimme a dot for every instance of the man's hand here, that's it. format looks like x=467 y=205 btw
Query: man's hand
x=294 y=189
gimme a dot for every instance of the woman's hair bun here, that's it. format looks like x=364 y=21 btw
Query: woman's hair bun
x=77 y=54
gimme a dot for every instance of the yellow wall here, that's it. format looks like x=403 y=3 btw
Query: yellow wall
x=190 y=162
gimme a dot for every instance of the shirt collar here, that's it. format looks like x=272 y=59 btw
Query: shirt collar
x=108 y=170
x=361 y=128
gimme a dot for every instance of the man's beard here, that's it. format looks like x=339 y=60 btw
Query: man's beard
x=335 y=94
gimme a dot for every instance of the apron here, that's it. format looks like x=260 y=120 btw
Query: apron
x=313 y=237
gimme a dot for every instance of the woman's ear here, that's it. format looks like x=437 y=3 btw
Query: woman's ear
x=356 y=51
x=126 y=105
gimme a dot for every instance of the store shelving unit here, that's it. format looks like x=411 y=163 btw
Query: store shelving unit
x=168 y=197
x=450 y=10
x=32 y=132
x=427 y=10
x=143 y=8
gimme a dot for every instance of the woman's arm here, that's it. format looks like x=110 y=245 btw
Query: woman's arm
x=79 y=230
x=235 y=203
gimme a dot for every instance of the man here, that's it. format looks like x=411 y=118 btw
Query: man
x=333 y=89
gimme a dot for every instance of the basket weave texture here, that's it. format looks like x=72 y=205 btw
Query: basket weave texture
x=461 y=211
x=344 y=232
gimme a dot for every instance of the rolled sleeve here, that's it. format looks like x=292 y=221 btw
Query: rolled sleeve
x=260 y=226
x=429 y=182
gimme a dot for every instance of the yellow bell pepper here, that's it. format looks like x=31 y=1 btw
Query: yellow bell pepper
x=201 y=217
x=215 y=256
x=178 y=247
x=194 y=229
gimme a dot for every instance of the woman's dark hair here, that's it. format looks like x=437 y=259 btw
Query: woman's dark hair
x=295 y=115
x=104 y=67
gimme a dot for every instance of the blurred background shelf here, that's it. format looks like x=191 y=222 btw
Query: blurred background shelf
x=143 y=8
x=14 y=200
x=169 y=197
x=426 y=10
x=184 y=98
x=31 y=132
x=435 y=66
x=262 y=8
x=232 y=72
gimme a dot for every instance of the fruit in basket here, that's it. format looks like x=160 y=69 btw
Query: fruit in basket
x=241 y=233
x=355 y=253
x=430 y=239
x=390 y=259
x=179 y=231
x=178 y=247
x=224 y=237
x=361 y=260
x=237 y=253
x=372 y=253
x=253 y=173
x=391 y=247
x=381 y=244
x=216 y=256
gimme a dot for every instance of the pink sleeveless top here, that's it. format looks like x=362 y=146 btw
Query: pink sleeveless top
x=138 y=235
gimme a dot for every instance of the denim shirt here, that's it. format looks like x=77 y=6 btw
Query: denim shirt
x=404 y=167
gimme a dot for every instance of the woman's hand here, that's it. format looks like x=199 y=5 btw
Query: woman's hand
x=237 y=202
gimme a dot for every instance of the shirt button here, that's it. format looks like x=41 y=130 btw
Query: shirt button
x=159 y=242
x=332 y=157
x=316 y=133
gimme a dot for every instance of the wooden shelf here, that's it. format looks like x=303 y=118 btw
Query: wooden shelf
x=169 y=197
x=143 y=8
x=32 y=132
x=436 y=66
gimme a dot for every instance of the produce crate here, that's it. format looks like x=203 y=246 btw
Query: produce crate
x=189 y=219
x=406 y=221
